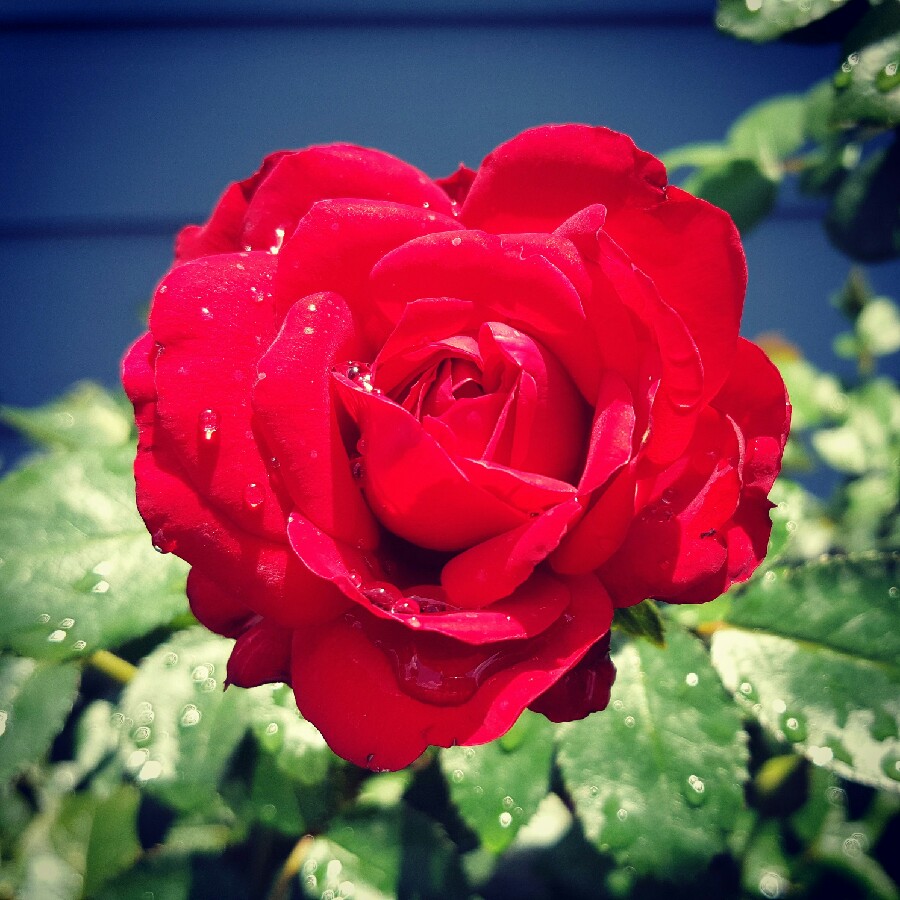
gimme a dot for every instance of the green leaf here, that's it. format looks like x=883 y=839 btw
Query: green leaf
x=642 y=620
x=382 y=854
x=78 y=569
x=178 y=727
x=868 y=440
x=770 y=132
x=867 y=85
x=864 y=219
x=765 y=20
x=497 y=787
x=157 y=877
x=657 y=778
x=35 y=700
x=816 y=396
x=739 y=187
x=113 y=843
x=86 y=416
x=696 y=156
x=813 y=653
x=273 y=799
x=766 y=868
x=878 y=326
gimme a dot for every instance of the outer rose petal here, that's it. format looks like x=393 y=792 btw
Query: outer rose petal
x=692 y=252
x=582 y=690
x=346 y=686
x=457 y=185
x=213 y=319
x=541 y=177
x=262 y=655
x=216 y=608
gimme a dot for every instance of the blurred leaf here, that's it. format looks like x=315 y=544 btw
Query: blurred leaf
x=273 y=799
x=817 y=112
x=813 y=652
x=739 y=187
x=35 y=700
x=878 y=326
x=209 y=829
x=765 y=20
x=381 y=854
x=154 y=878
x=766 y=869
x=642 y=620
x=770 y=131
x=864 y=219
x=800 y=527
x=657 y=779
x=113 y=843
x=178 y=727
x=79 y=571
x=497 y=787
x=696 y=156
x=295 y=745
x=816 y=396
x=867 y=441
x=868 y=81
x=86 y=416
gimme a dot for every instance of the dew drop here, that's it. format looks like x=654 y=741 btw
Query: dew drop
x=150 y=770
x=505 y=820
x=618 y=705
x=208 y=422
x=793 y=726
x=170 y=659
x=79 y=645
x=190 y=715
x=67 y=623
x=508 y=802
x=354 y=578
x=629 y=721
x=201 y=672
x=691 y=679
x=43 y=618
x=469 y=752
x=458 y=775
x=456 y=241
x=141 y=733
x=893 y=591
x=478 y=790
x=56 y=636
x=254 y=496
x=162 y=544
x=272 y=728
x=622 y=814
x=772 y=885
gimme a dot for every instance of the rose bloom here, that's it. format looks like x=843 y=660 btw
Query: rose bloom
x=418 y=439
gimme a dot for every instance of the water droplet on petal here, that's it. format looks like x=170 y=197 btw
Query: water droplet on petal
x=162 y=544
x=209 y=425
x=254 y=496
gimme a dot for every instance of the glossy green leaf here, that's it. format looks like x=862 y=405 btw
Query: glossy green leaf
x=85 y=416
x=769 y=132
x=657 y=778
x=813 y=653
x=35 y=700
x=642 y=620
x=113 y=843
x=867 y=84
x=274 y=800
x=864 y=219
x=497 y=787
x=78 y=568
x=766 y=868
x=765 y=20
x=739 y=187
x=178 y=728
x=382 y=854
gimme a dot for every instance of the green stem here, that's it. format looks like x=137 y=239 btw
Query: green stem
x=114 y=666
x=292 y=865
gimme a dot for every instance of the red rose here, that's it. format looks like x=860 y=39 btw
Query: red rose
x=417 y=439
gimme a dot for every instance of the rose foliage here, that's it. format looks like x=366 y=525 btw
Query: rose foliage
x=418 y=439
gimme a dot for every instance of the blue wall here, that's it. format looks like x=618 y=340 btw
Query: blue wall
x=122 y=121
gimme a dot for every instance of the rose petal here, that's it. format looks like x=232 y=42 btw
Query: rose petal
x=299 y=179
x=583 y=690
x=296 y=414
x=212 y=318
x=544 y=175
x=413 y=486
x=349 y=689
x=337 y=243
x=612 y=433
x=474 y=577
x=692 y=252
x=457 y=185
x=216 y=608
x=529 y=294
x=262 y=655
